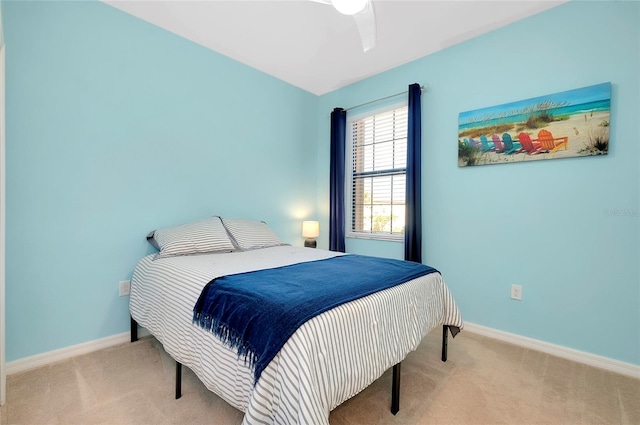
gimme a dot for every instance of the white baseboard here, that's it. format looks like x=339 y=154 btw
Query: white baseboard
x=594 y=360
x=606 y=363
x=32 y=362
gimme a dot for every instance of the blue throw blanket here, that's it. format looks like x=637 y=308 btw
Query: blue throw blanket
x=256 y=312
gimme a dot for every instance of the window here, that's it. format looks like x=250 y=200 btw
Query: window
x=377 y=174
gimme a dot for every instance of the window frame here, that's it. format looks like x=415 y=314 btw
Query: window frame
x=349 y=232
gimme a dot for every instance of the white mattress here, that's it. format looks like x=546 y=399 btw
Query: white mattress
x=328 y=360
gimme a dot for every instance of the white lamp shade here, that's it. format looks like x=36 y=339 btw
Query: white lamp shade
x=349 y=7
x=310 y=229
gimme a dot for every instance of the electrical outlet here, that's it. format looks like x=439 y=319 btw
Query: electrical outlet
x=516 y=292
x=125 y=288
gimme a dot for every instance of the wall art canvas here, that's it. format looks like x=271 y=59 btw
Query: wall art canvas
x=566 y=124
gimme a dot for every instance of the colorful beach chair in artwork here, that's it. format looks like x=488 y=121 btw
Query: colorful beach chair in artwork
x=530 y=146
x=468 y=143
x=551 y=144
x=497 y=143
x=510 y=146
x=486 y=144
x=475 y=143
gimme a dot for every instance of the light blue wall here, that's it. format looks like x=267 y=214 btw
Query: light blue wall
x=116 y=127
x=542 y=225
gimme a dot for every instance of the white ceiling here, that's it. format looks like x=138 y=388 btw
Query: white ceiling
x=312 y=46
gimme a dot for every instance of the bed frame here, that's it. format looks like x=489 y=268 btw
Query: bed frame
x=395 y=380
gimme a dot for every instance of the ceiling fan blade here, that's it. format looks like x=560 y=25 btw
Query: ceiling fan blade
x=366 y=23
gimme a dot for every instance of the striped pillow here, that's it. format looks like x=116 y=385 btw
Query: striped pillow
x=250 y=234
x=193 y=238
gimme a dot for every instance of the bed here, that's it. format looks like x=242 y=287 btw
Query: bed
x=328 y=360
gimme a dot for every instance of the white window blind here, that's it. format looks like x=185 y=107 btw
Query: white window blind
x=378 y=174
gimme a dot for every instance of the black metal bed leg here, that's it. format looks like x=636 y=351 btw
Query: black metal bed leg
x=134 y=330
x=178 y=380
x=395 y=389
x=445 y=337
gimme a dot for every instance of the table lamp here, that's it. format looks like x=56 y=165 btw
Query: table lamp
x=310 y=231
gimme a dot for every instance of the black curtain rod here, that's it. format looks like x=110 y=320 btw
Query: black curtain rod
x=422 y=88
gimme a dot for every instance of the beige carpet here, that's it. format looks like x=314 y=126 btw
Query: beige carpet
x=484 y=382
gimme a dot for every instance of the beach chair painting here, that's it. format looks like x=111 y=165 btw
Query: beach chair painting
x=474 y=143
x=486 y=145
x=497 y=142
x=509 y=145
x=530 y=146
x=572 y=123
x=552 y=144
